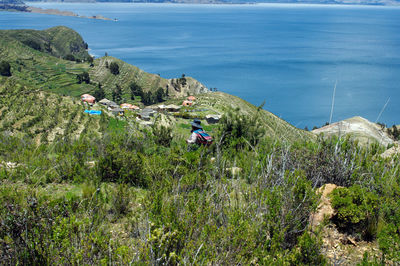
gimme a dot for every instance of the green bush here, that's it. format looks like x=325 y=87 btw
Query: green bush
x=83 y=77
x=114 y=68
x=120 y=200
x=241 y=130
x=5 y=69
x=70 y=57
x=356 y=211
x=309 y=251
x=117 y=164
x=162 y=135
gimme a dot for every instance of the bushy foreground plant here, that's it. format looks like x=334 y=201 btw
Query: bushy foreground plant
x=128 y=199
x=356 y=210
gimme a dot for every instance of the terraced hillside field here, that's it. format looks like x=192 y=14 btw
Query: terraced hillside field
x=44 y=116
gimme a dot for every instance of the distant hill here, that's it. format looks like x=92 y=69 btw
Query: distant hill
x=57 y=41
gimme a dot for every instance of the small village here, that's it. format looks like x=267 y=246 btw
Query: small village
x=146 y=114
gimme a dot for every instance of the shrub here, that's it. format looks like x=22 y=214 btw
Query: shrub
x=239 y=130
x=308 y=252
x=33 y=44
x=69 y=57
x=114 y=68
x=5 y=69
x=83 y=77
x=120 y=165
x=357 y=211
x=165 y=245
x=120 y=201
x=162 y=135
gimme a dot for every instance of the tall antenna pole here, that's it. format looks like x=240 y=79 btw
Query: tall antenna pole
x=333 y=102
x=383 y=109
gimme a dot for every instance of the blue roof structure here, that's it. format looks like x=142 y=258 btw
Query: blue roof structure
x=93 y=112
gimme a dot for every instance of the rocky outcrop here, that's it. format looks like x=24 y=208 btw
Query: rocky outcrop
x=359 y=129
x=395 y=150
x=185 y=86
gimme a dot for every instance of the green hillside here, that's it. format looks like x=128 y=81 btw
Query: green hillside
x=77 y=189
x=220 y=103
x=40 y=69
x=36 y=59
x=58 y=41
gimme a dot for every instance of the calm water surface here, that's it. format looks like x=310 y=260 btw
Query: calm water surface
x=288 y=55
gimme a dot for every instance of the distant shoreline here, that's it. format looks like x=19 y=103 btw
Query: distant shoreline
x=313 y=3
x=38 y=10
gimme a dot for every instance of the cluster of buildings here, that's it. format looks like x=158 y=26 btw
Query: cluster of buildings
x=146 y=113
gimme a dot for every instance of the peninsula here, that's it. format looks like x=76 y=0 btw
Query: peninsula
x=19 y=6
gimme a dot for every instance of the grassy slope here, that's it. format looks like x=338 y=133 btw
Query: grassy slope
x=42 y=115
x=220 y=103
x=40 y=70
x=57 y=41
x=129 y=73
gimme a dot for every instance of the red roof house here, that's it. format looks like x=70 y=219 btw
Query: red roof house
x=191 y=98
x=88 y=98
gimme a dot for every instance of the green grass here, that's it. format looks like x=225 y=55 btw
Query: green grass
x=116 y=124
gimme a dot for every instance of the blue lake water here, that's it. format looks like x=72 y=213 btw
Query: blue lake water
x=288 y=55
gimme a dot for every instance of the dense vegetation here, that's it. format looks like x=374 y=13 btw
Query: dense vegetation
x=130 y=196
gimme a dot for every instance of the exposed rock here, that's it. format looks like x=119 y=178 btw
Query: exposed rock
x=213 y=119
x=234 y=171
x=359 y=128
x=392 y=151
x=9 y=165
x=324 y=210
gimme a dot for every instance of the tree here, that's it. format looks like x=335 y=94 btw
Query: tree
x=394 y=132
x=114 y=68
x=136 y=90
x=99 y=92
x=166 y=91
x=69 y=57
x=117 y=94
x=84 y=77
x=147 y=98
x=89 y=59
x=5 y=69
x=159 y=95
